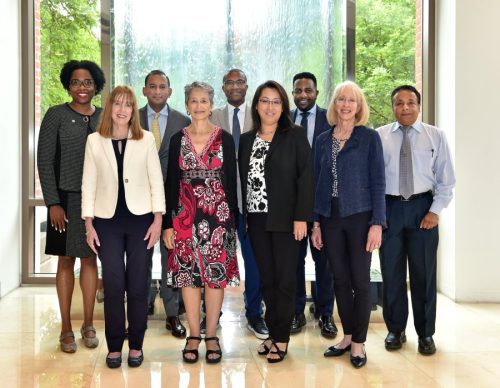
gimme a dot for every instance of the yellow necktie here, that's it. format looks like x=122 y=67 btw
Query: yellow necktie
x=156 y=131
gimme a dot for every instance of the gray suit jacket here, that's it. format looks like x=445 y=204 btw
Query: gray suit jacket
x=175 y=122
x=220 y=118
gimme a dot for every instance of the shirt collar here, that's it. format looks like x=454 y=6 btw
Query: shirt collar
x=163 y=112
x=311 y=111
x=417 y=125
x=242 y=108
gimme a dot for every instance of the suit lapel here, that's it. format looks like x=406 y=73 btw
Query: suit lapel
x=107 y=147
x=143 y=115
x=247 y=126
x=277 y=139
x=225 y=118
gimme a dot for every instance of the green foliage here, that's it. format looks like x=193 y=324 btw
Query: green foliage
x=69 y=30
x=385 y=52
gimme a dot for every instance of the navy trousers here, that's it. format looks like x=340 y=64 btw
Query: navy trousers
x=404 y=241
x=126 y=263
x=322 y=288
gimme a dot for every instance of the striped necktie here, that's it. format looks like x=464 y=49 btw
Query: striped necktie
x=156 y=130
x=405 y=166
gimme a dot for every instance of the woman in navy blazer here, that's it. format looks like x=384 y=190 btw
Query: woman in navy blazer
x=349 y=211
x=277 y=190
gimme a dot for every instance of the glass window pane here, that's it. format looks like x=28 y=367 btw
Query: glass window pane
x=202 y=40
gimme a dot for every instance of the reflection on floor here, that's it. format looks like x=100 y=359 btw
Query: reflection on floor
x=468 y=341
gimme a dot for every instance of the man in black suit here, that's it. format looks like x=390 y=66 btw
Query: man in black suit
x=163 y=121
x=313 y=119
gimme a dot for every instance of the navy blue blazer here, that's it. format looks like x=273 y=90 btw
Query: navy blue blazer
x=320 y=125
x=360 y=172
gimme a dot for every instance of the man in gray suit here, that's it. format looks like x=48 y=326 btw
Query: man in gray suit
x=163 y=122
x=235 y=117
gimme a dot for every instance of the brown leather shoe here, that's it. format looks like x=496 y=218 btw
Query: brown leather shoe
x=175 y=326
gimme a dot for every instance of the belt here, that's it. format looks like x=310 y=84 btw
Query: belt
x=412 y=197
x=203 y=174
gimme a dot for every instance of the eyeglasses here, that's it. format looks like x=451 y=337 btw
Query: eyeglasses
x=239 y=82
x=76 y=83
x=267 y=101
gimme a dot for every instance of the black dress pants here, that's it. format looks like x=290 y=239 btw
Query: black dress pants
x=404 y=241
x=125 y=262
x=276 y=254
x=344 y=240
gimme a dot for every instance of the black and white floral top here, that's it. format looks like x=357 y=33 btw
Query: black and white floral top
x=335 y=180
x=256 y=184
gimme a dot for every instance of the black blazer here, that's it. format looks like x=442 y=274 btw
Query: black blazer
x=289 y=177
x=172 y=185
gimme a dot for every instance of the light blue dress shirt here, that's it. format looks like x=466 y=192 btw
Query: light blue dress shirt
x=431 y=158
x=162 y=119
x=311 y=122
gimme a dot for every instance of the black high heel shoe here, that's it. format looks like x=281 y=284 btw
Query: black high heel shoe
x=281 y=353
x=267 y=349
x=212 y=360
x=190 y=351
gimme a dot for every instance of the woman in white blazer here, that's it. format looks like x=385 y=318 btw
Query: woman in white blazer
x=122 y=203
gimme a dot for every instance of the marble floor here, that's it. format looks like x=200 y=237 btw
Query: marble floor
x=467 y=337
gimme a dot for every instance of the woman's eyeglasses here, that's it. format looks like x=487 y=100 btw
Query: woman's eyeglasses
x=76 y=83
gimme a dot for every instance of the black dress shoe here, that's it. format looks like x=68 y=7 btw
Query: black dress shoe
x=114 y=362
x=175 y=326
x=426 y=346
x=134 y=362
x=328 y=327
x=151 y=308
x=357 y=361
x=394 y=340
x=332 y=351
x=298 y=321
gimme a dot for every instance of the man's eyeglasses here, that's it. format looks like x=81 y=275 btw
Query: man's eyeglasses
x=239 y=82
x=267 y=101
x=76 y=83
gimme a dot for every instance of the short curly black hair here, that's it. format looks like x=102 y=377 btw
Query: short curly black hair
x=92 y=67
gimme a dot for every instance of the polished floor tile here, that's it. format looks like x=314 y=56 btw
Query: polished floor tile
x=30 y=357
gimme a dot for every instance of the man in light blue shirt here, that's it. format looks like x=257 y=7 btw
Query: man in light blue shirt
x=419 y=185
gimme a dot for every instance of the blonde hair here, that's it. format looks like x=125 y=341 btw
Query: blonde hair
x=105 y=127
x=361 y=117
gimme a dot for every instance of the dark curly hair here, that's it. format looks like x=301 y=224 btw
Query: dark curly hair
x=92 y=67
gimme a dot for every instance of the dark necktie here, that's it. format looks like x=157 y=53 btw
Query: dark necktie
x=303 y=122
x=236 y=128
x=405 y=166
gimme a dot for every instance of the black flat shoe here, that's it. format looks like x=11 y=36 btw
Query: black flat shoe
x=134 y=362
x=281 y=353
x=190 y=351
x=394 y=340
x=332 y=351
x=114 y=362
x=426 y=346
x=212 y=360
x=357 y=361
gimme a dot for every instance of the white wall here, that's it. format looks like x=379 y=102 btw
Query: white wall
x=468 y=98
x=10 y=147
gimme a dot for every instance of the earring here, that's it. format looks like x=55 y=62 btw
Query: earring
x=188 y=113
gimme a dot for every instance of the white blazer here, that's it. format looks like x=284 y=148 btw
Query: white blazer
x=142 y=177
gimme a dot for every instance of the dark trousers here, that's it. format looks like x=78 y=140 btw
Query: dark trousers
x=125 y=262
x=404 y=240
x=252 y=294
x=344 y=240
x=322 y=288
x=276 y=254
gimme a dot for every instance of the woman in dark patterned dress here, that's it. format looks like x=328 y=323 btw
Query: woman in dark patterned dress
x=200 y=220
x=61 y=149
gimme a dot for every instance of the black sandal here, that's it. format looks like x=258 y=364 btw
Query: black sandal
x=281 y=354
x=267 y=349
x=190 y=351
x=209 y=351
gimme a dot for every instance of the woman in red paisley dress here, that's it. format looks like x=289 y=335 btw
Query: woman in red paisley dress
x=200 y=219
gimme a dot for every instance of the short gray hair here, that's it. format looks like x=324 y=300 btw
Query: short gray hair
x=199 y=85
